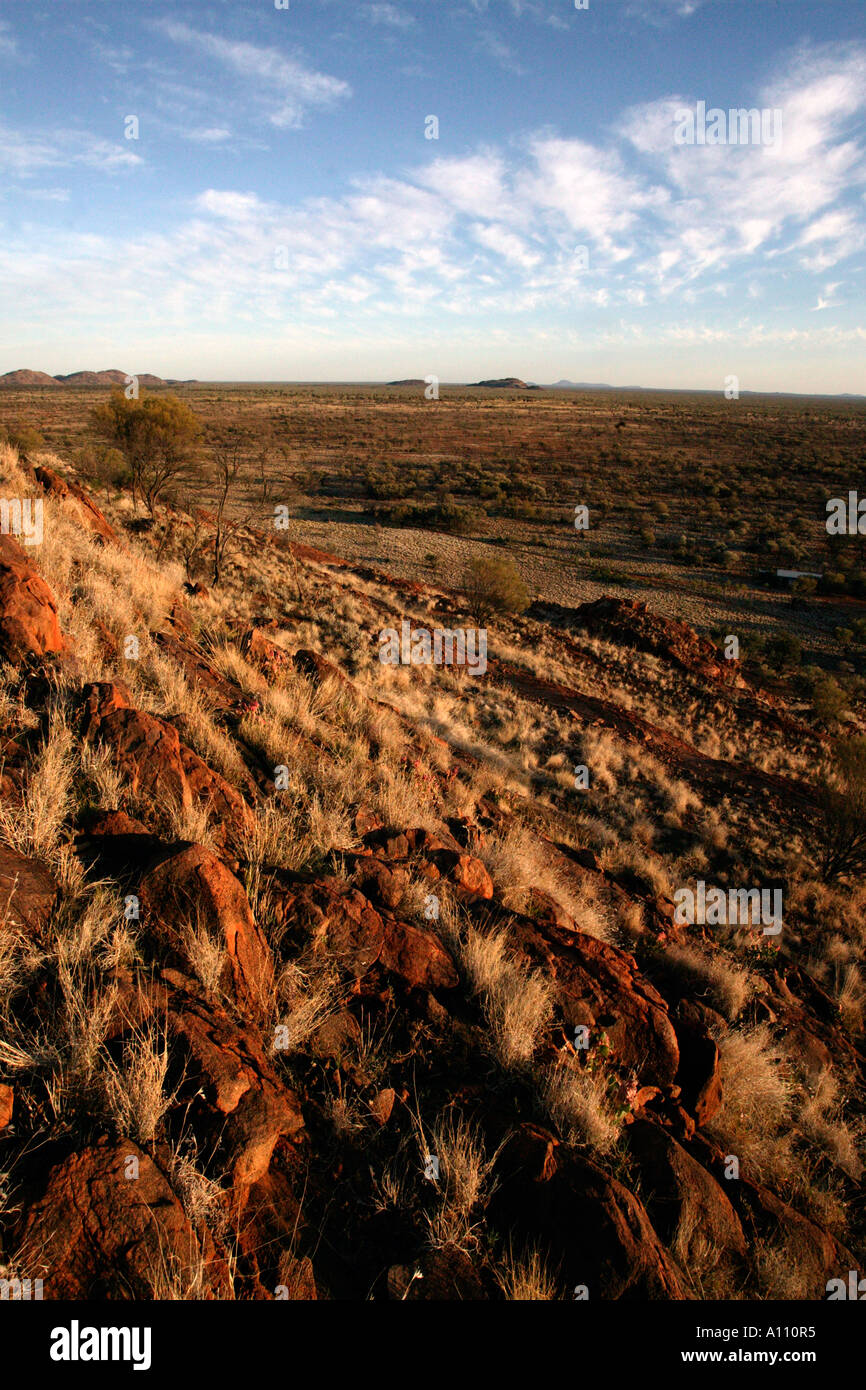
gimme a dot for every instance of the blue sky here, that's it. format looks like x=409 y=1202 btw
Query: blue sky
x=282 y=215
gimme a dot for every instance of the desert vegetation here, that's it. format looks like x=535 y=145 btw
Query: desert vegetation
x=374 y=972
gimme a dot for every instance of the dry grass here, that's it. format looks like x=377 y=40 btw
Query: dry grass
x=754 y=1122
x=517 y=1003
x=135 y=1091
x=304 y=1000
x=578 y=1101
x=525 y=1278
x=463 y=1186
x=519 y=863
x=35 y=828
x=727 y=986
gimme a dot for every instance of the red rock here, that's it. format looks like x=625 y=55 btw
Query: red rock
x=599 y=986
x=70 y=492
x=317 y=667
x=530 y=1151
x=268 y=1236
x=152 y=758
x=684 y=1201
x=392 y=844
x=239 y=1107
x=631 y=622
x=366 y=821
x=339 y=1036
x=340 y=921
x=645 y=1096
x=115 y=823
x=182 y=649
x=99 y=700
x=384 y=886
x=29 y=625
x=424 y=841
x=192 y=883
x=418 y=957
x=700 y=1069
x=28 y=893
x=97 y=1232
x=548 y=909
x=260 y=651
x=297 y=1282
x=811 y=1254
x=465 y=872
x=382 y=1104
x=592 y=1228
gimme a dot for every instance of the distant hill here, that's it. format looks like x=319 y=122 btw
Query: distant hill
x=507 y=383
x=409 y=381
x=25 y=377
x=112 y=376
x=564 y=385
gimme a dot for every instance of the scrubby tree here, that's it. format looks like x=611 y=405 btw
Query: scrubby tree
x=227 y=464
x=494 y=586
x=843 y=811
x=829 y=700
x=157 y=435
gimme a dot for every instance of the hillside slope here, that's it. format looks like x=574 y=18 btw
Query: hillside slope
x=320 y=978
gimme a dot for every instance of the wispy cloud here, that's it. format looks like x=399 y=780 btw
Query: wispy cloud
x=728 y=202
x=499 y=50
x=383 y=13
x=662 y=12
x=294 y=87
x=210 y=135
x=8 y=44
x=25 y=153
x=471 y=237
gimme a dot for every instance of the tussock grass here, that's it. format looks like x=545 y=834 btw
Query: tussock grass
x=578 y=1101
x=517 y=1003
x=464 y=1183
x=728 y=986
x=754 y=1121
x=35 y=828
x=526 y=1278
x=135 y=1091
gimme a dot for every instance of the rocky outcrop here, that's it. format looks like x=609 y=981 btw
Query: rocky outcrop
x=150 y=756
x=28 y=892
x=190 y=893
x=600 y=987
x=635 y=625
x=597 y=1232
x=29 y=625
x=73 y=496
x=685 y=1203
x=108 y=1225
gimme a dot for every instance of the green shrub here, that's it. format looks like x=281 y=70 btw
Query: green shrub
x=494 y=586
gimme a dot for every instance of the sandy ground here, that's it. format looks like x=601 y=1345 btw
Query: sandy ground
x=554 y=578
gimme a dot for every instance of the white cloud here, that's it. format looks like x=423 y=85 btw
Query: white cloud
x=491 y=233
x=474 y=184
x=210 y=135
x=505 y=244
x=661 y=12
x=25 y=153
x=233 y=206
x=499 y=51
x=732 y=200
x=388 y=14
x=8 y=44
x=293 y=87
